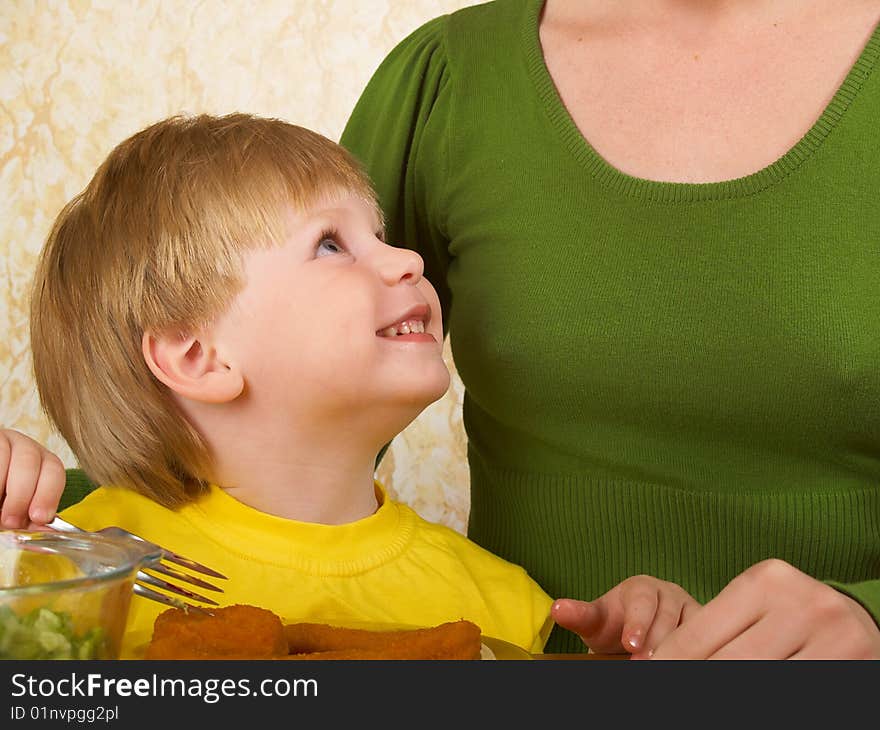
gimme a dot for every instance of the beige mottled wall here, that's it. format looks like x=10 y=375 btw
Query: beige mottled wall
x=79 y=76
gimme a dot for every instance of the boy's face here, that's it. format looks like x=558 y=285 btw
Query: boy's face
x=335 y=319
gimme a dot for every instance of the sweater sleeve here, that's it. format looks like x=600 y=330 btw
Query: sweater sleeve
x=399 y=132
x=866 y=593
x=77 y=485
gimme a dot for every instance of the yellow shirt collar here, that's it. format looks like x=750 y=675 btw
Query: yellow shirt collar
x=324 y=549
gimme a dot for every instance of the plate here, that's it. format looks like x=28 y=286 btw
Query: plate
x=503 y=649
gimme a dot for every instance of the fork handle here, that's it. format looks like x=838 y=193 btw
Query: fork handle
x=62 y=526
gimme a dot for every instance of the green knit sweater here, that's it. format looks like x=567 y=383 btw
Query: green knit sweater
x=674 y=379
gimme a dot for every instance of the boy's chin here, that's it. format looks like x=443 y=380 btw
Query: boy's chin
x=421 y=392
x=418 y=401
x=406 y=406
x=436 y=391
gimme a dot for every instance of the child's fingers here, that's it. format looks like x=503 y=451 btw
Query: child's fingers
x=5 y=454
x=22 y=475
x=50 y=486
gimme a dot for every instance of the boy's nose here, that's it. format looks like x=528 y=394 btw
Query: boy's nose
x=399 y=264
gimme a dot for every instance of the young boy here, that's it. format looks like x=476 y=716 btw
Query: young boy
x=220 y=333
x=224 y=339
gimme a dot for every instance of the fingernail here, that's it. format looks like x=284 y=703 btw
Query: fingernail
x=41 y=516
x=635 y=639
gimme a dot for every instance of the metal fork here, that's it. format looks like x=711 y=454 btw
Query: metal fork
x=145 y=579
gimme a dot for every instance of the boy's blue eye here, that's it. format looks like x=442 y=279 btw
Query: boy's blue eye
x=327 y=246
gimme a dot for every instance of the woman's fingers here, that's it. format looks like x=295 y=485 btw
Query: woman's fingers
x=634 y=616
x=641 y=601
x=768 y=638
x=774 y=611
x=713 y=626
x=673 y=609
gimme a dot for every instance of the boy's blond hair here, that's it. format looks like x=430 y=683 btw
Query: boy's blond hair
x=155 y=242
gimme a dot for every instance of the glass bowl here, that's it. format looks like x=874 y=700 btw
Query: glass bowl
x=66 y=595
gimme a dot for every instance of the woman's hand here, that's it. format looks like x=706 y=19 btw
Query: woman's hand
x=634 y=616
x=31 y=482
x=774 y=611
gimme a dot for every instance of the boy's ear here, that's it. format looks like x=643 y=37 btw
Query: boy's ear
x=191 y=368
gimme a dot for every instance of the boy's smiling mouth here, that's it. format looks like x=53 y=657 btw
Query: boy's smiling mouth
x=403 y=328
x=411 y=326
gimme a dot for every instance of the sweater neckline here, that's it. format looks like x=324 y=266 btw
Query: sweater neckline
x=663 y=191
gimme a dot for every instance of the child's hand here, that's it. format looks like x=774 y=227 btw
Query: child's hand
x=31 y=482
x=634 y=616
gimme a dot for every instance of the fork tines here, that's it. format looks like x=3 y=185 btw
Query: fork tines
x=191 y=564
x=145 y=578
x=144 y=592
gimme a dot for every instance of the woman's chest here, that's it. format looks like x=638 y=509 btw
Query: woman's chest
x=702 y=107
x=760 y=301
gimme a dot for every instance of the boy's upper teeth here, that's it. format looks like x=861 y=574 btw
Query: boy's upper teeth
x=403 y=328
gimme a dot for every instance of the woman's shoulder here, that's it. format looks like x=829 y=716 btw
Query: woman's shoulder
x=494 y=15
x=463 y=32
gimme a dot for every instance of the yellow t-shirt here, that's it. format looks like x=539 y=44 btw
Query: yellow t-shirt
x=392 y=567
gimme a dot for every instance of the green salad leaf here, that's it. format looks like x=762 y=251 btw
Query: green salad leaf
x=46 y=634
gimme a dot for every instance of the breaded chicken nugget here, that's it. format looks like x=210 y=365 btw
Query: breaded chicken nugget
x=231 y=632
x=452 y=640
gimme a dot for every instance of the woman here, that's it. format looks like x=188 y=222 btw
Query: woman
x=653 y=227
